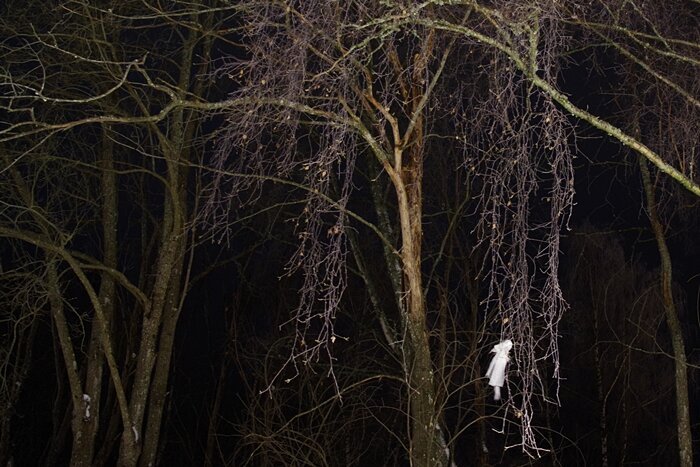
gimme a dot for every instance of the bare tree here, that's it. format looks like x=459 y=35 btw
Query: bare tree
x=322 y=84
x=365 y=77
x=86 y=90
x=663 y=108
x=331 y=100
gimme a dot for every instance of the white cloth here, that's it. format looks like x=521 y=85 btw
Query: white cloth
x=497 y=368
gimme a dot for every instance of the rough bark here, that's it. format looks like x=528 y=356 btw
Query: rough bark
x=426 y=448
x=406 y=176
x=159 y=386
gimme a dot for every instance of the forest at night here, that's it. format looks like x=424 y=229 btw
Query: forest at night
x=426 y=233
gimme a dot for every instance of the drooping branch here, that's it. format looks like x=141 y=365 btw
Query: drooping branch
x=523 y=65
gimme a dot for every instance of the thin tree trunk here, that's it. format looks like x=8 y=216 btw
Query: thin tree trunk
x=107 y=297
x=80 y=450
x=685 y=439
x=482 y=456
x=393 y=263
x=60 y=415
x=600 y=392
x=21 y=354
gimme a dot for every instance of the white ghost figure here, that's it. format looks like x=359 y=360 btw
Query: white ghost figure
x=497 y=368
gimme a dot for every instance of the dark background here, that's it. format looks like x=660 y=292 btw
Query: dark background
x=226 y=404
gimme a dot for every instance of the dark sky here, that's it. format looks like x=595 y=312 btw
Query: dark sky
x=234 y=287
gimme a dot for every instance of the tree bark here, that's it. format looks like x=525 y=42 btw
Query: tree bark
x=426 y=449
x=406 y=176
x=107 y=297
x=425 y=445
x=685 y=439
x=81 y=449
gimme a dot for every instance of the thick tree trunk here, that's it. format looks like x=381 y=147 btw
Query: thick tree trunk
x=426 y=448
x=130 y=448
x=685 y=439
x=159 y=386
x=159 y=324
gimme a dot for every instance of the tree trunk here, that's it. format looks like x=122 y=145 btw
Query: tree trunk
x=600 y=390
x=107 y=297
x=182 y=130
x=426 y=449
x=130 y=449
x=159 y=385
x=81 y=451
x=685 y=439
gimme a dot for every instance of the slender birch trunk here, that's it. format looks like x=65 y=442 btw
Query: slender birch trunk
x=685 y=438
